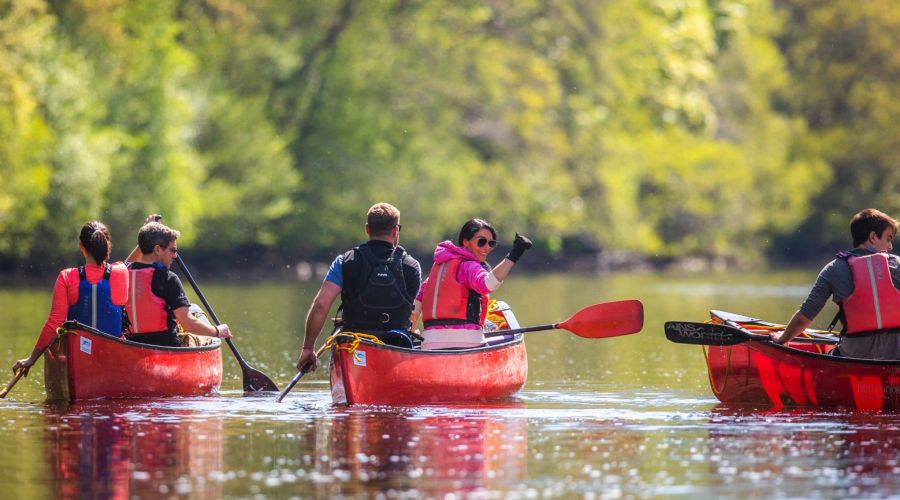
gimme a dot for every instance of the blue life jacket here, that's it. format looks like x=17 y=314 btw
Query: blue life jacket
x=94 y=307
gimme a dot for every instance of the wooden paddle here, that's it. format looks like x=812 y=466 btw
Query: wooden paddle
x=599 y=321
x=11 y=383
x=685 y=332
x=254 y=380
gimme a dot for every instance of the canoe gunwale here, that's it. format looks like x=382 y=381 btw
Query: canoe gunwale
x=823 y=357
x=341 y=339
x=216 y=343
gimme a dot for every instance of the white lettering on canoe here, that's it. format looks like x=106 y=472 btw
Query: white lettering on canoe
x=85 y=345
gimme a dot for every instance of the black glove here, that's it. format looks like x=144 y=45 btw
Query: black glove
x=520 y=244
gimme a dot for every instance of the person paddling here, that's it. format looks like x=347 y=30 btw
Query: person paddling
x=377 y=282
x=453 y=300
x=92 y=294
x=865 y=283
x=157 y=303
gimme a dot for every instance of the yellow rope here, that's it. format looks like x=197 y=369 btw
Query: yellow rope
x=495 y=316
x=357 y=339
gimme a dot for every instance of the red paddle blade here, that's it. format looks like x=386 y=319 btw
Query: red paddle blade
x=609 y=319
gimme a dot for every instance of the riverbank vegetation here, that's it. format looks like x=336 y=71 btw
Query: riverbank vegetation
x=732 y=130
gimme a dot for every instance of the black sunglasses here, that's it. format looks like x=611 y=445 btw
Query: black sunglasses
x=482 y=241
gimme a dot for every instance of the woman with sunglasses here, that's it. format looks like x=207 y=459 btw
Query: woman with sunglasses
x=453 y=300
x=92 y=294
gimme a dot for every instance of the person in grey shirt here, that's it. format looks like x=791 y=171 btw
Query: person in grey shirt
x=872 y=232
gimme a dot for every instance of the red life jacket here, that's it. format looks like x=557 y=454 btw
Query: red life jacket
x=446 y=301
x=875 y=301
x=146 y=311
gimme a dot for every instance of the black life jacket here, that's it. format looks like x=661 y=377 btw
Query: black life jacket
x=374 y=298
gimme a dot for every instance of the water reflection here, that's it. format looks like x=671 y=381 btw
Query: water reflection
x=432 y=451
x=795 y=450
x=131 y=449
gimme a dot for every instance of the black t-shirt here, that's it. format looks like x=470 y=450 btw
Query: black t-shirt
x=165 y=284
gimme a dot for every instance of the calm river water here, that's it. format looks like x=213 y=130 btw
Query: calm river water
x=624 y=417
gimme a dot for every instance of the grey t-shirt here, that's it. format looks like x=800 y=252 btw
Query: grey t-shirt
x=836 y=280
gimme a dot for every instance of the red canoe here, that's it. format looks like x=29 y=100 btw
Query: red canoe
x=769 y=375
x=371 y=373
x=381 y=374
x=87 y=365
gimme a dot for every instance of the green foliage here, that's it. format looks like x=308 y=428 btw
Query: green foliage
x=665 y=128
x=24 y=159
x=845 y=60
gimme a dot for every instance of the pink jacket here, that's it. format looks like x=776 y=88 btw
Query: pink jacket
x=471 y=273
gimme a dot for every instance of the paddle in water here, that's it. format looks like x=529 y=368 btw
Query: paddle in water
x=297 y=377
x=254 y=380
x=685 y=332
x=599 y=321
x=12 y=383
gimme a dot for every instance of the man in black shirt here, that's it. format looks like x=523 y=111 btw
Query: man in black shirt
x=157 y=303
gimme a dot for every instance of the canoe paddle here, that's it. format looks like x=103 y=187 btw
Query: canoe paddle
x=21 y=372
x=11 y=383
x=254 y=380
x=599 y=321
x=685 y=332
x=297 y=377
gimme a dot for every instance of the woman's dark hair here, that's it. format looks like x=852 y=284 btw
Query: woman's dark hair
x=96 y=240
x=471 y=227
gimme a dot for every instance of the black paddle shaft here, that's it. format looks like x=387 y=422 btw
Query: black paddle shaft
x=254 y=380
x=291 y=385
x=209 y=309
x=497 y=333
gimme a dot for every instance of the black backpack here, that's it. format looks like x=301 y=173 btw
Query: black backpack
x=377 y=299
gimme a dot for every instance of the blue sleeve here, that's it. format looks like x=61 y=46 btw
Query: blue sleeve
x=336 y=271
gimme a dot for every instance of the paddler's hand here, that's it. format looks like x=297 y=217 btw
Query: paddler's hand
x=520 y=244
x=23 y=364
x=223 y=332
x=776 y=336
x=308 y=361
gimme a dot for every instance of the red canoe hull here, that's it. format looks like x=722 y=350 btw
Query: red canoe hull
x=386 y=375
x=764 y=374
x=84 y=365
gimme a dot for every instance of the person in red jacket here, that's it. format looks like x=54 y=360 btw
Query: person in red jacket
x=865 y=283
x=92 y=294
